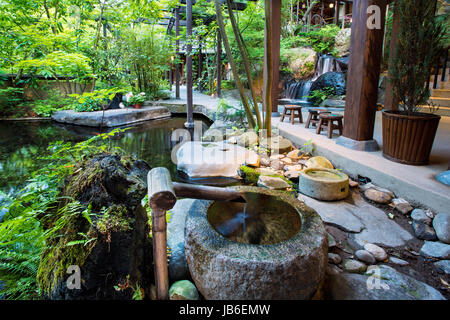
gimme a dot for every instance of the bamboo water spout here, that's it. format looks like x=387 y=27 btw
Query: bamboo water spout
x=162 y=196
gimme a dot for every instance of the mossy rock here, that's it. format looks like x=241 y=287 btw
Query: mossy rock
x=183 y=290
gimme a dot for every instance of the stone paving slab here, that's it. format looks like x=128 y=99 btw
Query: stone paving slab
x=111 y=118
x=367 y=222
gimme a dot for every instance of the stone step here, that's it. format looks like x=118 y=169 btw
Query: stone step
x=443 y=102
x=441 y=85
x=442 y=111
x=440 y=93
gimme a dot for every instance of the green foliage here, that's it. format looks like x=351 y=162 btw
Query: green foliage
x=137 y=99
x=58 y=63
x=227 y=111
x=46 y=107
x=420 y=41
x=318 y=96
x=93 y=101
x=9 y=99
x=322 y=39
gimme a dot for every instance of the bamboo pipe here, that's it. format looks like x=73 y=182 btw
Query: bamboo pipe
x=183 y=190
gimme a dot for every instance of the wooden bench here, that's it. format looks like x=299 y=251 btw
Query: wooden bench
x=294 y=111
x=327 y=122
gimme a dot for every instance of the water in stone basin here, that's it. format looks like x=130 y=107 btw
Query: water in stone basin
x=262 y=220
x=324 y=175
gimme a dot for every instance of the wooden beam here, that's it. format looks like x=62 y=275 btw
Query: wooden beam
x=363 y=72
x=177 y=41
x=190 y=106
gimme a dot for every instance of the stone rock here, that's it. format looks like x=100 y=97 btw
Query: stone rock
x=352 y=184
x=212 y=159
x=380 y=282
x=334 y=258
x=441 y=223
x=364 y=221
x=297 y=167
x=342 y=42
x=365 y=256
x=301 y=62
x=113 y=187
x=331 y=241
x=253 y=160
x=376 y=251
x=276 y=165
x=277 y=144
x=266 y=171
x=277 y=157
x=178 y=268
x=419 y=215
x=423 y=231
x=333 y=103
x=398 y=261
x=319 y=162
x=287 y=161
x=294 y=155
x=232 y=140
x=436 y=250
x=264 y=161
x=354 y=266
x=444 y=265
x=292 y=174
x=247 y=139
x=429 y=213
x=370 y=185
x=112 y=117
x=273 y=183
x=229 y=270
x=334 y=80
x=402 y=205
x=444 y=178
x=183 y=290
x=377 y=196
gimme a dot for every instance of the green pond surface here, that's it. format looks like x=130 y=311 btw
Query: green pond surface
x=22 y=144
x=324 y=175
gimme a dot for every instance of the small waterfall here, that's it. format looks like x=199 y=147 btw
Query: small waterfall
x=326 y=64
x=298 y=90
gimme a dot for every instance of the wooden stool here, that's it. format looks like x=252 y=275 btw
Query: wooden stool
x=313 y=117
x=326 y=122
x=292 y=109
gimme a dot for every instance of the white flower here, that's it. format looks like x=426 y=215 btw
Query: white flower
x=121 y=105
x=128 y=96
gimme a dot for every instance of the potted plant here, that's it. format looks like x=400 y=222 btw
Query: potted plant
x=408 y=134
x=136 y=100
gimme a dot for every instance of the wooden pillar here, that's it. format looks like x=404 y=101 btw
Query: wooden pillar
x=177 y=44
x=275 y=28
x=390 y=100
x=219 y=65
x=363 y=76
x=336 y=13
x=190 y=105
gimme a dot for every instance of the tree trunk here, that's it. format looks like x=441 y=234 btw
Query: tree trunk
x=245 y=60
x=268 y=62
x=251 y=120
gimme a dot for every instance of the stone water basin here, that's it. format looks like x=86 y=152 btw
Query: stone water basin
x=324 y=184
x=280 y=253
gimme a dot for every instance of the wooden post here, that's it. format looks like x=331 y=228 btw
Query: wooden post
x=190 y=105
x=161 y=197
x=336 y=12
x=219 y=65
x=391 y=102
x=177 y=43
x=272 y=56
x=363 y=76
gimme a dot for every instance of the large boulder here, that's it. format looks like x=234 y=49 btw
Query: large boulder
x=334 y=80
x=301 y=62
x=212 y=159
x=342 y=42
x=107 y=191
x=379 y=283
x=441 y=223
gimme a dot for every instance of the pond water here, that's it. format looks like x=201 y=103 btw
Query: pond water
x=22 y=144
